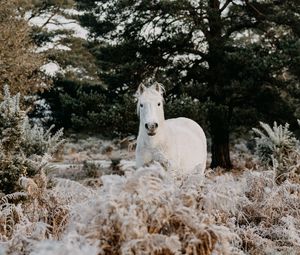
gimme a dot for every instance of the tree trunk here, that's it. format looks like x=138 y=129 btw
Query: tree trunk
x=220 y=155
x=219 y=119
x=218 y=112
x=220 y=150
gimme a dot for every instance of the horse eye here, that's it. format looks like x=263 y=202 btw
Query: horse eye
x=158 y=104
x=141 y=105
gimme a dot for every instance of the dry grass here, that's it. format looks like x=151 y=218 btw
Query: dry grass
x=147 y=211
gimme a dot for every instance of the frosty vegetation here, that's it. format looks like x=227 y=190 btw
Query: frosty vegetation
x=145 y=211
x=279 y=148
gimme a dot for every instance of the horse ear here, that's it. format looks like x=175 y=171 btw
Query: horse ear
x=158 y=87
x=141 y=89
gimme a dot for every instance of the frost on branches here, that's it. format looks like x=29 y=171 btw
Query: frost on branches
x=146 y=211
x=24 y=149
x=278 y=147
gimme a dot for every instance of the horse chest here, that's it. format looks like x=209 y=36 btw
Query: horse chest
x=154 y=150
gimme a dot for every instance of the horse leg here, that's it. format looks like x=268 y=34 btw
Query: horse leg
x=142 y=157
x=160 y=157
x=139 y=160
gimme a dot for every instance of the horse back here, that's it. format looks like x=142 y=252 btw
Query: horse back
x=185 y=125
x=190 y=142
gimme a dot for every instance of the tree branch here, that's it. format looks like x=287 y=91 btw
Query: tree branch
x=39 y=11
x=225 y=5
x=254 y=8
x=50 y=17
x=240 y=26
x=196 y=52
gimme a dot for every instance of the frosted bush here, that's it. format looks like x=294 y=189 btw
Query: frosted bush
x=223 y=195
x=38 y=141
x=29 y=210
x=42 y=215
x=277 y=147
x=269 y=218
x=147 y=213
x=23 y=148
x=71 y=244
x=275 y=142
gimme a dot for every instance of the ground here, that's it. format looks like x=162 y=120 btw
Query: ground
x=94 y=201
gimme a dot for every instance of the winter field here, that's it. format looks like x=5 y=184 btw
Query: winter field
x=76 y=64
x=90 y=199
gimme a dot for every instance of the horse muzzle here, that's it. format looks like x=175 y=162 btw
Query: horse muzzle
x=151 y=128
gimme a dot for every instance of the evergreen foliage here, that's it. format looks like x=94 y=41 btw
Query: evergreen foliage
x=87 y=108
x=185 y=106
x=24 y=149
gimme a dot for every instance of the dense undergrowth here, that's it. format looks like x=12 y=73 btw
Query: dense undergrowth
x=148 y=211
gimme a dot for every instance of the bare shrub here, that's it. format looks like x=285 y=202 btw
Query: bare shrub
x=90 y=169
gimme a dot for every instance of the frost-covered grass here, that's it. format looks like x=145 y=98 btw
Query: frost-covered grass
x=94 y=201
x=148 y=211
x=90 y=156
x=79 y=149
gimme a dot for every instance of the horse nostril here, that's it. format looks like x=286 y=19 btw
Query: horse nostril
x=146 y=126
x=156 y=125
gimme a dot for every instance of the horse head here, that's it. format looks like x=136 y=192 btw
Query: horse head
x=150 y=108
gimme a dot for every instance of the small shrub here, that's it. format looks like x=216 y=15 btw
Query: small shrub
x=38 y=141
x=278 y=148
x=24 y=149
x=90 y=169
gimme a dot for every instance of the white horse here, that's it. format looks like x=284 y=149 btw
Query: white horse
x=178 y=144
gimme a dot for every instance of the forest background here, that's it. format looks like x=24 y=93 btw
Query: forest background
x=225 y=64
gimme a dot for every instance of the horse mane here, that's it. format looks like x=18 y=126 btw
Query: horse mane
x=150 y=84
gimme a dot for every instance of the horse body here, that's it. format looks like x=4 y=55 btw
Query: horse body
x=179 y=144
